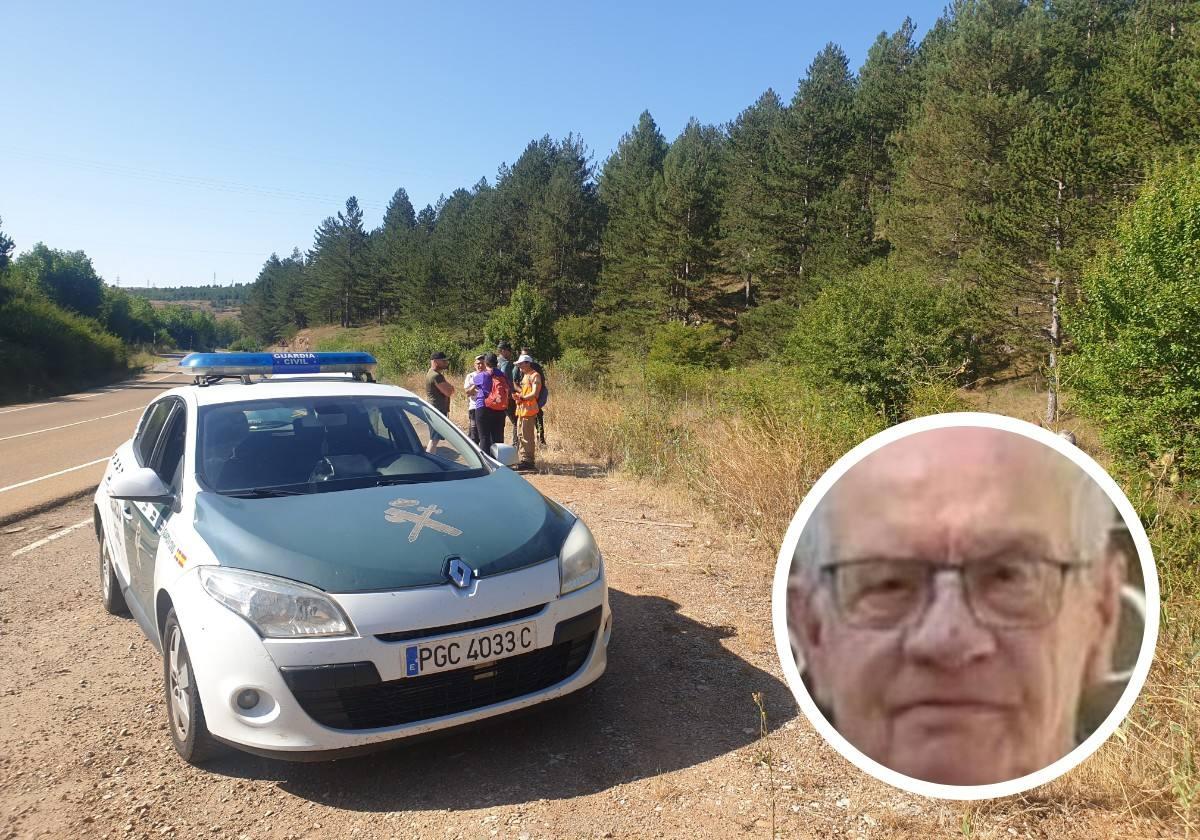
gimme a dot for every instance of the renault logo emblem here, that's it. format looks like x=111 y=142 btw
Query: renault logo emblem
x=460 y=573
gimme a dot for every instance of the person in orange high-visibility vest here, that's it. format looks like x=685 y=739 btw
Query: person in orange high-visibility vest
x=527 y=411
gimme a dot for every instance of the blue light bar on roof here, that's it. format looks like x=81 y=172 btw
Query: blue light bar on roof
x=247 y=364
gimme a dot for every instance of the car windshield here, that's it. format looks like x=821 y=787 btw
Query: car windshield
x=315 y=444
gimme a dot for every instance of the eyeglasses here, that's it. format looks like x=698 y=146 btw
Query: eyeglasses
x=1002 y=594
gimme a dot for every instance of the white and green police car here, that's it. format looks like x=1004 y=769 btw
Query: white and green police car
x=327 y=563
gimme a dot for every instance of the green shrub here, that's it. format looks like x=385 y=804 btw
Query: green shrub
x=44 y=347
x=407 y=350
x=579 y=367
x=883 y=333
x=677 y=382
x=343 y=341
x=679 y=344
x=584 y=332
x=1137 y=329
x=526 y=321
x=763 y=331
x=774 y=395
x=245 y=345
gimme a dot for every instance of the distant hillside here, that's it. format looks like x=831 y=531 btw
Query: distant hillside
x=219 y=297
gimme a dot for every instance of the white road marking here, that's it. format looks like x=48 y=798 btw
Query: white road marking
x=51 y=538
x=107 y=389
x=53 y=474
x=23 y=407
x=76 y=423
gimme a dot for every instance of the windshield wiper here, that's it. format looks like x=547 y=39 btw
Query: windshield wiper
x=266 y=493
x=398 y=479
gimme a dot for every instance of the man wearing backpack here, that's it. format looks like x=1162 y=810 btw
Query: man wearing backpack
x=543 y=395
x=504 y=364
x=493 y=392
x=527 y=410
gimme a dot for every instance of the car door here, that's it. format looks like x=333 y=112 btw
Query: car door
x=144 y=441
x=165 y=457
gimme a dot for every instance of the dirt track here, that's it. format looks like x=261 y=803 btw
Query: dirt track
x=666 y=745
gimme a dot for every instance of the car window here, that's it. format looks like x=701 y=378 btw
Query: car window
x=427 y=424
x=169 y=461
x=151 y=426
x=325 y=443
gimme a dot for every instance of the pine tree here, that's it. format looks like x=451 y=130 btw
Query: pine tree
x=806 y=163
x=399 y=214
x=625 y=191
x=1057 y=202
x=953 y=156
x=566 y=232
x=395 y=246
x=1151 y=87
x=745 y=230
x=685 y=226
x=341 y=265
x=888 y=88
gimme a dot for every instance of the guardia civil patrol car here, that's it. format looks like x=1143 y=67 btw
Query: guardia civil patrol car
x=327 y=563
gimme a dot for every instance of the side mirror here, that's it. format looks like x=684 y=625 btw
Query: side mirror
x=141 y=484
x=505 y=454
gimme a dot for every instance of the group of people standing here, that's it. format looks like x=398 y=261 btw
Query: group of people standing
x=498 y=387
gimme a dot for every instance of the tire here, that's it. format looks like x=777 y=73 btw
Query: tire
x=110 y=584
x=185 y=714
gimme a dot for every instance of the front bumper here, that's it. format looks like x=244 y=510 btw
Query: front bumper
x=339 y=695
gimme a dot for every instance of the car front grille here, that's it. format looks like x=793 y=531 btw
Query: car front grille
x=428 y=632
x=353 y=697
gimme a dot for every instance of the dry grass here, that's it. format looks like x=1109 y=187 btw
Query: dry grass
x=751 y=472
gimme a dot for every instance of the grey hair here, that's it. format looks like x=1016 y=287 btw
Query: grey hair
x=814 y=546
x=1093 y=518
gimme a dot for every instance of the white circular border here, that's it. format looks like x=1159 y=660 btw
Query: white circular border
x=783 y=571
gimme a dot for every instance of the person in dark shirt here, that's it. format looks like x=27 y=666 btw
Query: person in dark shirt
x=489 y=420
x=504 y=364
x=438 y=391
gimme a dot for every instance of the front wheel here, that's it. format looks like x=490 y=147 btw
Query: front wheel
x=110 y=585
x=189 y=733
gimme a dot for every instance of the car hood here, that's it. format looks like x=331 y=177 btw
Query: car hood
x=367 y=540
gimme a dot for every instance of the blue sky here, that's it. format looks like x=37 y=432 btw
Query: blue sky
x=175 y=144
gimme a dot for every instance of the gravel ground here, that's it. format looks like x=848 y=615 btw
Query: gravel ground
x=667 y=744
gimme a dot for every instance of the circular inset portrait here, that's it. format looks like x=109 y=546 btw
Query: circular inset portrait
x=966 y=606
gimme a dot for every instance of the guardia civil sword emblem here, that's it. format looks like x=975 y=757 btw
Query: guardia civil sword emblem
x=421 y=517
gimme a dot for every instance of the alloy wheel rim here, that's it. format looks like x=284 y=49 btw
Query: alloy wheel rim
x=178 y=683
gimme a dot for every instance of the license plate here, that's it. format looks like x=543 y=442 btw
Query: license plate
x=472 y=649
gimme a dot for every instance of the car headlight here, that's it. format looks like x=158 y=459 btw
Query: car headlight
x=579 y=559
x=275 y=607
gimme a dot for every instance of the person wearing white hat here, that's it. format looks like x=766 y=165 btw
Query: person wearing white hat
x=527 y=411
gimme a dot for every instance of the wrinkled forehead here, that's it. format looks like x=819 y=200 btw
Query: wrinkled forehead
x=949 y=484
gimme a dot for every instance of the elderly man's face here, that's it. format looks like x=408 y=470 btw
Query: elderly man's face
x=942 y=696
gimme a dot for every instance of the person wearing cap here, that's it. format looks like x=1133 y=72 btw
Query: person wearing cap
x=504 y=364
x=469 y=389
x=438 y=391
x=527 y=411
x=542 y=397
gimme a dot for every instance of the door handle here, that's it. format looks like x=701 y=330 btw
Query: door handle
x=127 y=511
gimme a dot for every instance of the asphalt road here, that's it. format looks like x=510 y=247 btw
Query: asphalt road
x=54 y=449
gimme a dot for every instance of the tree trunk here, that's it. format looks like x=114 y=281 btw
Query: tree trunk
x=1055 y=343
x=1055 y=331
